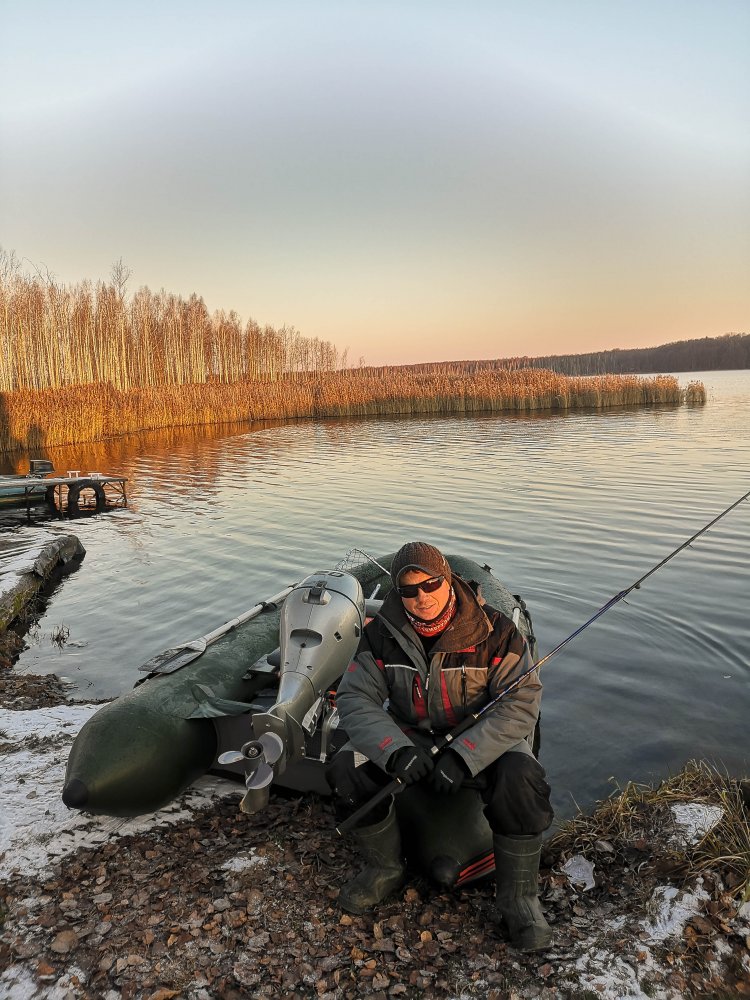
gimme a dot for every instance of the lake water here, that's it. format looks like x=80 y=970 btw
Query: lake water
x=568 y=510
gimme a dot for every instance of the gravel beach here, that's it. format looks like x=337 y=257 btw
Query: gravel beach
x=200 y=901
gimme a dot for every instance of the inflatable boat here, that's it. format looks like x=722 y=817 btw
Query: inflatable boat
x=256 y=700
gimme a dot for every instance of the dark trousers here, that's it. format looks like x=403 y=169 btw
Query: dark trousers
x=514 y=790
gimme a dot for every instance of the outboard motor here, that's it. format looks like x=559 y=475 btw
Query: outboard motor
x=40 y=467
x=321 y=623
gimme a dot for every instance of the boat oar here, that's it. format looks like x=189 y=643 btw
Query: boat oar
x=396 y=785
x=173 y=659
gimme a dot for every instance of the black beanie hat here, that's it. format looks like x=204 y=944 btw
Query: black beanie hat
x=421 y=556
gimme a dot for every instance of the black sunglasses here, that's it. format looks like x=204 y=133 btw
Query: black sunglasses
x=428 y=586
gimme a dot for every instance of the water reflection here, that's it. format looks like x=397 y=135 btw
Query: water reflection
x=568 y=509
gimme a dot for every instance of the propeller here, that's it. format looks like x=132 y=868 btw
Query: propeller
x=261 y=755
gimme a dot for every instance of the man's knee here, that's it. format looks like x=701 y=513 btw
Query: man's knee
x=353 y=784
x=517 y=800
x=341 y=775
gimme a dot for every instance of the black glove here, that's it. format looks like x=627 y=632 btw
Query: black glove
x=409 y=764
x=449 y=773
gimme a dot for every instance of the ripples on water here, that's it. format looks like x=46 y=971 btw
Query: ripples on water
x=567 y=509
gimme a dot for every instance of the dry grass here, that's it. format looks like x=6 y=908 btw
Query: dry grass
x=639 y=817
x=695 y=394
x=47 y=418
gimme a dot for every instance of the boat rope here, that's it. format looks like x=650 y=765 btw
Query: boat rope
x=466 y=723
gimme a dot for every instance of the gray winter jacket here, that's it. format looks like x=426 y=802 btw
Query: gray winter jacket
x=390 y=689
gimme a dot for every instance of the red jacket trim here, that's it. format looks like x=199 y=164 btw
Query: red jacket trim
x=450 y=716
x=417 y=697
x=386 y=742
x=467 y=743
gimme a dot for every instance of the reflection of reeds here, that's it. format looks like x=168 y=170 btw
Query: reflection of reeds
x=98 y=411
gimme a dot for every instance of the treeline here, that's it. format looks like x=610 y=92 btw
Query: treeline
x=730 y=351
x=54 y=336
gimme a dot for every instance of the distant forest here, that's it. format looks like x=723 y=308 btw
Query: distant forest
x=732 y=350
x=707 y=354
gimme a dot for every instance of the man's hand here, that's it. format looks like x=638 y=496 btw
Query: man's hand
x=449 y=773
x=410 y=764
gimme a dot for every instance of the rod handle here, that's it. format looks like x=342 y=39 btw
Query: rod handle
x=392 y=788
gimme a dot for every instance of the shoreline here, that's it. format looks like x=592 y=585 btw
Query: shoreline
x=199 y=901
x=31 y=557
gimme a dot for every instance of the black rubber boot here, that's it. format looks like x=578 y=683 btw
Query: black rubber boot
x=517 y=900
x=384 y=871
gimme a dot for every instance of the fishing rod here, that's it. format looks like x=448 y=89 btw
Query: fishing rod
x=396 y=785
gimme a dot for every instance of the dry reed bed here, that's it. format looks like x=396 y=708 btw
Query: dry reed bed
x=95 y=412
x=640 y=814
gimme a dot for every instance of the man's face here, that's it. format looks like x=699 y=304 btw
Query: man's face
x=424 y=605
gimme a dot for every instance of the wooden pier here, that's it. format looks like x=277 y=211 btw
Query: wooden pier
x=71 y=495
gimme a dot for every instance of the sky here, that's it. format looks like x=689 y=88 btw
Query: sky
x=414 y=181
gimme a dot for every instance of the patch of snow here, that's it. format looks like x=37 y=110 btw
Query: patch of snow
x=580 y=872
x=672 y=909
x=18 y=982
x=21 y=554
x=45 y=723
x=612 y=978
x=35 y=826
x=242 y=862
x=693 y=821
x=721 y=946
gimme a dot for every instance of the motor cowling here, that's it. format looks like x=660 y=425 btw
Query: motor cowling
x=321 y=623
